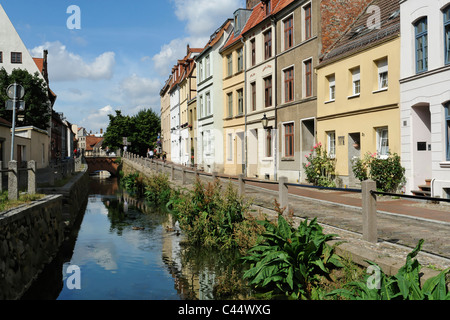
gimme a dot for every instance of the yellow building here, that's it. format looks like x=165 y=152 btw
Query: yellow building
x=234 y=97
x=359 y=92
x=165 y=119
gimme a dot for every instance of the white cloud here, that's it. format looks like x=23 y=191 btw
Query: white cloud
x=173 y=51
x=98 y=119
x=67 y=66
x=202 y=18
x=138 y=91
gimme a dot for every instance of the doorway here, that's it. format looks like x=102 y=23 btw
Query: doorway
x=354 y=153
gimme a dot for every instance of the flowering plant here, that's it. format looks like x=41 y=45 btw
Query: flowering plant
x=387 y=173
x=320 y=169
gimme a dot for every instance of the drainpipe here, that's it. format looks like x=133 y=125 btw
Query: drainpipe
x=245 y=109
x=275 y=157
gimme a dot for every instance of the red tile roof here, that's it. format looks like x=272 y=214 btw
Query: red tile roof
x=259 y=13
x=39 y=63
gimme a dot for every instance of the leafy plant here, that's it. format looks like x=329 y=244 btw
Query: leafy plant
x=212 y=217
x=405 y=285
x=290 y=262
x=157 y=189
x=387 y=173
x=320 y=169
x=133 y=183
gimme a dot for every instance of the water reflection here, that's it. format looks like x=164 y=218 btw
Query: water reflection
x=127 y=249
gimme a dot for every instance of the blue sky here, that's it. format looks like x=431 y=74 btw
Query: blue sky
x=121 y=56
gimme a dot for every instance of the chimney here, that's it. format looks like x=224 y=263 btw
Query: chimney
x=252 y=3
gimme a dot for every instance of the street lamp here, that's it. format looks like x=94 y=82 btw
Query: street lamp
x=265 y=122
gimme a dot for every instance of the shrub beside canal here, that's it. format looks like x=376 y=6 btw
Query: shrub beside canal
x=281 y=261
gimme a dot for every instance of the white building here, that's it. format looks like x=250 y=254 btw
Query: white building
x=210 y=148
x=175 y=128
x=13 y=53
x=425 y=94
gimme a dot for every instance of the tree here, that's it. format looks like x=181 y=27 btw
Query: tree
x=141 y=131
x=37 y=104
x=117 y=129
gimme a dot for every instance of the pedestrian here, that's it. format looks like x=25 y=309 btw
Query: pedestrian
x=151 y=154
x=164 y=156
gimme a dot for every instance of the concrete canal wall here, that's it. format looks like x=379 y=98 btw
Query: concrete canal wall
x=31 y=235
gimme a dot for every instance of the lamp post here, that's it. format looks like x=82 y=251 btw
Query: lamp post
x=15 y=92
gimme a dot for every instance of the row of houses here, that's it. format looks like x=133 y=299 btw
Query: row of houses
x=359 y=77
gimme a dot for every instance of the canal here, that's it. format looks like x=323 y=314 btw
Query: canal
x=125 y=249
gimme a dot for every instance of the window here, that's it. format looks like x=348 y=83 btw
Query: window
x=200 y=71
x=202 y=110
x=269 y=143
x=208 y=104
x=383 y=143
x=356 y=81
x=208 y=67
x=308 y=77
x=289 y=84
x=253 y=87
x=332 y=87
x=1 y=57
x=447 y=126
x=16 y=57
x=230 y=147
x=331 y=147
x=253 y=53
x=240 y=94
x=289 y=140
x=230 y=104
x=229 y=65
x=447 y=34
x=288 y=33
x=421 y=29
x=268 y=44
x=307 y=11
x=382 y=73
x=240 y=60
x=268 y=92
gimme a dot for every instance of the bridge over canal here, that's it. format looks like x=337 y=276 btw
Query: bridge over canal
x=103 y=164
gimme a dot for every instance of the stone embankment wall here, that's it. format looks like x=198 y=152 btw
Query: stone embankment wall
x=31 y=235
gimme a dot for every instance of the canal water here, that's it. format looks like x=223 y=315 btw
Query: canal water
x=125 y=249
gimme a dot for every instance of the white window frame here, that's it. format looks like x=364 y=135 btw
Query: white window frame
x=283 y=40
x=382 y=142
x=208 y=66
x=310 y=59
x=331 y=144
x=229 y=147
x=383 y=69
x=208 y=103
x=356 y=81
x=303 y=18
x=331 y=87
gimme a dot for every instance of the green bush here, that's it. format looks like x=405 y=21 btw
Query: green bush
x=157 y=189
x=387 y=173
x=213 y=217
x=320 y=169
x=405 y=285
x=290 y=262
